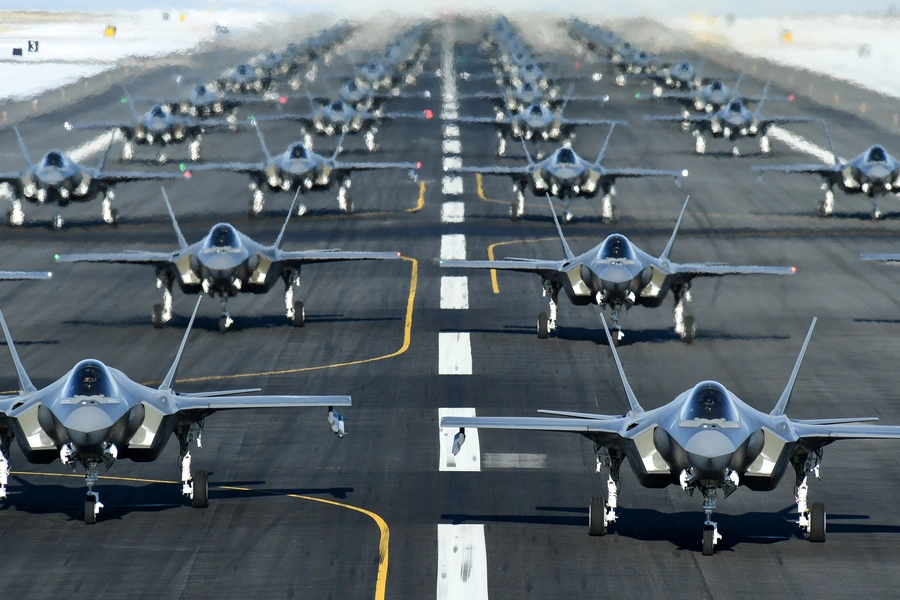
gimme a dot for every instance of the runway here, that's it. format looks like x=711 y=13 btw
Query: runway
x=284 y=491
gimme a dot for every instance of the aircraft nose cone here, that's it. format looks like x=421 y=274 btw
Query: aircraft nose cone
x=87 y=428
x=879 y=172
x=615 y=280
x=710 y=452
x=220 y=263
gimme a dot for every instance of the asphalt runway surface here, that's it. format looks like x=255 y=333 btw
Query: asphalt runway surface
x=284 y=518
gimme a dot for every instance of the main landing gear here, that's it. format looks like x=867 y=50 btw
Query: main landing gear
x=826 y=206
x=345 y=202
x=193 y=485
x=600 y=513
x=547 y=323
x=225 y=320
x=162 y=313
x=811 y=517
x=685 y=325
x=295 y=311
x=110 y=215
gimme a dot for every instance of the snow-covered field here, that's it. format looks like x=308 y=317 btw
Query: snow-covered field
x=864 y=50
x=73 y=45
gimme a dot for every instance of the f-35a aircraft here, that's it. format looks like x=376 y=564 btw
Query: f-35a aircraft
x=565 y=175
x=95 y=415
x=226 y=263
x=733 y=122
x=617 y=275
x=157 y=127
x=58 y=180
x=874 y=173
x=705 y=440
x=300 y=168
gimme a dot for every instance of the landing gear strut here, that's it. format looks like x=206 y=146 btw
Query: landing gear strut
x=547 y=323
x=295 y=311
x=110 y=215
x=811 y=518
x=16 y=216
x=345 y=202
x=225 y=319
x=193 y=485
x=602 y=514
x=826 y=207
x=162 y=313
x=685 y=326
x=517 y=209
x=6 y=438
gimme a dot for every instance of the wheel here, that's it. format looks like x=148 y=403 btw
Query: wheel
x=223 y=324
x=543 y=326
x=822 y=212
x=596 y=514
x=158 y=316
x=513 y=214
x=90 y=515
x=817 y=522
x=57 y=222
x=114 y=214
x=201 y=490
x=690 y=327
x=617 y=337
x=709 y=544
x=299 y=314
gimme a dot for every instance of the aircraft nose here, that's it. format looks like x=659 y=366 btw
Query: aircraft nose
x=88 y=428
x=614 y=281
x=879 y=172
x=710 y=452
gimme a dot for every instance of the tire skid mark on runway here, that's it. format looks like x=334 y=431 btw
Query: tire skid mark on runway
x=385 y=533
x=462 y=562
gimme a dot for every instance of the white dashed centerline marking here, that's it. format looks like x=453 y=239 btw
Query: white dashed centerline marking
x=453 y=246
x=451 y=147
x=452 y=185
x=454 y=293
x=451 y=162
x=454 y=353
x=462 y=562
x=451 y=131
x=453 y=212
x=469 y=457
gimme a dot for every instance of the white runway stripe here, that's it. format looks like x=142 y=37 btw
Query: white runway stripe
x=454 y=292
x=451 y=131
x=451 y=147
x=453 y=212
x=469 y=457
x=462 y=563
x=453 y=246
x=512 y=460
x=452 y=162
x=454 y=353
x=452 y=185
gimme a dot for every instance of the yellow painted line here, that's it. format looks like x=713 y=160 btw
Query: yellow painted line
x=490 y=252
x=479 y=184
x=421 y=201
x=384 y=531
x=407 y=335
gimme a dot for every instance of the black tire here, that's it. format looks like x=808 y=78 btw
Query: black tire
x=115 y=217
x=9 y=218
x=596 y=514
x=299 y=314
x=709 y=545
x=617 y=339
x=90 y=516
x=689 y=327
x=817 y=522
x=223 y=324
x=157 y=316
x=513 y=215
x=543 y=326
x=822 y=213
x=201 y=490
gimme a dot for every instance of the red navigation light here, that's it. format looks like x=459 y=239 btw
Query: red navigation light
x=282 y=99
x=187 y=174
x=791 y=97
x=577 y=64
x=419 y=164
x=793 y=269
x=428 y=113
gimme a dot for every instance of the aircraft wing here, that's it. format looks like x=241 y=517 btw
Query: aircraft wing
x=677 y=118
x=212 y=403
x=781 y=120
x=626 y=173
x=592 y=428
x=812 y=169
x=484 y=120
x=492 y=170
x=880 y=257
x=305 y=119
x=481 y=96
x=23 y=275
x=135 y=257
x=122 y=176
x=98 y=125
x=235 y=167
x=10 y=177
x=717 y=270
x=303 y=257
x=371 y=166
x=825 y=434
x=542 y=267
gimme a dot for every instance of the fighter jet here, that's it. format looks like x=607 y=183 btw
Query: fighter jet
x=244 y=79
x=226 y=263
x=733 y=122
x=516 y=99
x=205 y=101
x=707 y=440
x=95 y=414
x=157 y=127
x=710 y=98
x=565 y=175
x=537 y=123
x=874 y=173
x=300 y=168
x=58 y=180
x=336 y=117
x=617 y=275
x=368 y=100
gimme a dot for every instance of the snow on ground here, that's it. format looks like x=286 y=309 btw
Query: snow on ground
x=78 y=48
x=863 y=50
